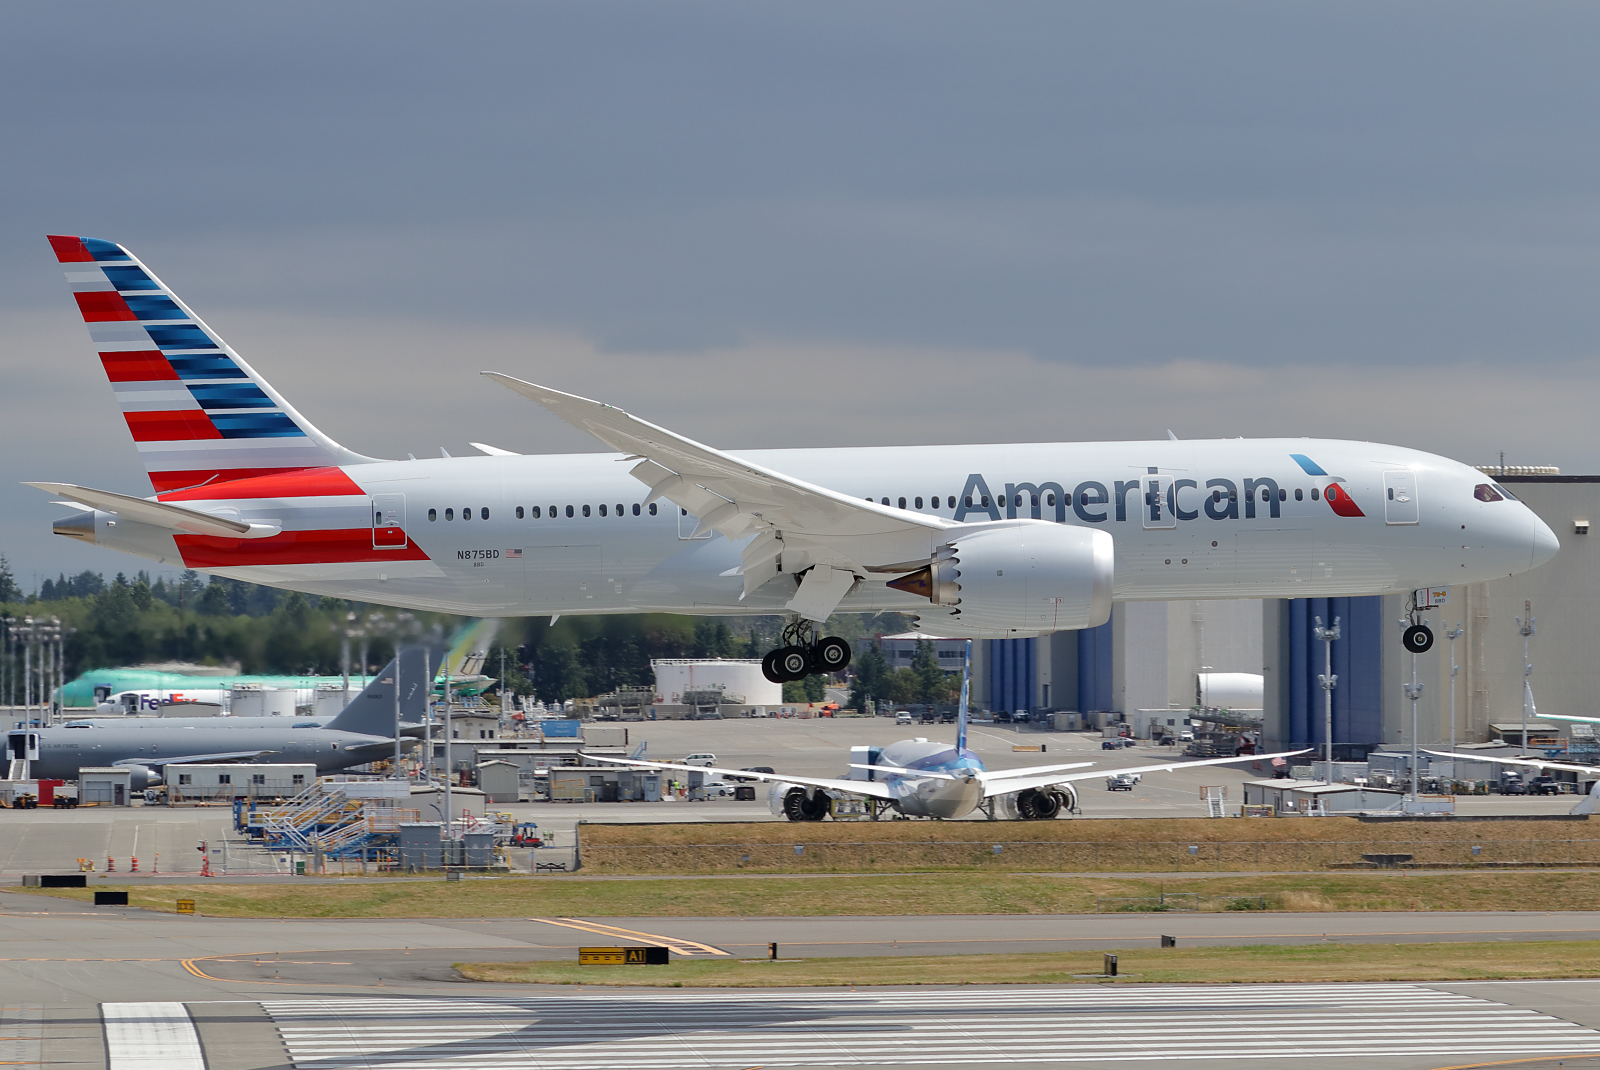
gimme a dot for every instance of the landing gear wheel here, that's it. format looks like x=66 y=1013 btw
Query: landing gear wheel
x=831 y=655
x=1418 y=639
x=793 y=663
x=769 y=668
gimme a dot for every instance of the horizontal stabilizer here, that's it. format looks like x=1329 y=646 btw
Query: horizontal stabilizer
x=160 y=514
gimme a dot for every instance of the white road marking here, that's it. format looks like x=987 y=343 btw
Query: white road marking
x=665 y=1031
x=151 y=1036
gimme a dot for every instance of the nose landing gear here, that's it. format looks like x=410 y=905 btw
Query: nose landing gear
x=1417 y=637
x=803 y=654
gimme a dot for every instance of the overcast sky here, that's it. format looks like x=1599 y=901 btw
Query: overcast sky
x=852 y=223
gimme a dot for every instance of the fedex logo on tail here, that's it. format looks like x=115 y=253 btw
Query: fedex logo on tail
x=1339 y=499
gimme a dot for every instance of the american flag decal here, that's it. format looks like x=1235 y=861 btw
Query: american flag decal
x=513 y=553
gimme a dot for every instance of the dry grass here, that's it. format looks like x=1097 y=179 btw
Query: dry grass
x=1196 y=845
x=895 y=894
x=1201 y=965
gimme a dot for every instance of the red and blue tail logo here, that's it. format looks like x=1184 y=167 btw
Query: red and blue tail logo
x=1339 y=499
x=197 y=412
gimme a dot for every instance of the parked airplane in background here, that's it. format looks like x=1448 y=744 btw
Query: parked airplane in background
x=921 y=778
x=974 y=541
x=362 y=733
x=136 y=690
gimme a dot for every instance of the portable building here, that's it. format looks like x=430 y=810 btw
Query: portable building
x=203 y=783
x=105 y=785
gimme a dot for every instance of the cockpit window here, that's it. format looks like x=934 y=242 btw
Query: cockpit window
x=1486 y=493
x=1506 y=494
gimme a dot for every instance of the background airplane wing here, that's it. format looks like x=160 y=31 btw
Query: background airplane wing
x=806 y=524
x=190 y=759
x=855 y=787
x=1531 y=763
x=1004 y=782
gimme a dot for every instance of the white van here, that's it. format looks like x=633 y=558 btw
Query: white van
x=707 y=760
x=903 y=717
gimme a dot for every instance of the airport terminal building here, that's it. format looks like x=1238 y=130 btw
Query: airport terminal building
x=1150 y=654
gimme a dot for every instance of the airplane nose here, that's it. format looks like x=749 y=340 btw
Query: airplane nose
x=1545 y=543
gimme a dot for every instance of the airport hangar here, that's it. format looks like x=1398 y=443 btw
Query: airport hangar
x=1148 y=655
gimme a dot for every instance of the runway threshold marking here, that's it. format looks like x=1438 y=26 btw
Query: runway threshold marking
x=673 y=944
x=151 y=1036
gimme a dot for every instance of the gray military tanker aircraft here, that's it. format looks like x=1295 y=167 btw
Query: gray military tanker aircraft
x=363 y=732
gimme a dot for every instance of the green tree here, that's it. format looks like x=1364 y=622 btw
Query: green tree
x=871 y=675
x=9 y=591
x=214 y=602
x=933 y=684
x=808 y=690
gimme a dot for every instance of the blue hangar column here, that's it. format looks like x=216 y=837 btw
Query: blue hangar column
x=1293 y=717
x=1063 y=671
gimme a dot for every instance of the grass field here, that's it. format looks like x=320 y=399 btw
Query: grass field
x=945 y=893
x=1195 y=845
x=1202 y=965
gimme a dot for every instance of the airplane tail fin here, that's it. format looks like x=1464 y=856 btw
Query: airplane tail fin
x=198 y=413
x=469 y=647
x=372 y=712
x=961 y=715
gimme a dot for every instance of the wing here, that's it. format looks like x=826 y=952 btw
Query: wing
x=854 y=787
x=159 y=514
x=1008 y=781
x=190 y=759
x=1531 y=763
x=796 y=525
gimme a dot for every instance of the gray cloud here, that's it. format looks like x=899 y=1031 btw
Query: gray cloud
x=1074 y=220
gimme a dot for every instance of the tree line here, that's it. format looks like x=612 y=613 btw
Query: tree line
x=137 y=620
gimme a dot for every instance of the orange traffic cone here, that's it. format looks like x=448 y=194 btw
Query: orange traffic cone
x=135 y=867
x=111 y=865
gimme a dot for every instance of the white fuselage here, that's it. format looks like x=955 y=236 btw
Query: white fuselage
x=1229 y=518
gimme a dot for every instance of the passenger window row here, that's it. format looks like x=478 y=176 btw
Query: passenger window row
x=536 y=512
x=1050 y=499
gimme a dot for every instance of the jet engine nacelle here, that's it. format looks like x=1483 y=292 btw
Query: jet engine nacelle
x=1028 y=576
x=1037 y=804
x=143 y=777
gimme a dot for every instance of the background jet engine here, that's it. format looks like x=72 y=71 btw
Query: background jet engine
x=1011 y=576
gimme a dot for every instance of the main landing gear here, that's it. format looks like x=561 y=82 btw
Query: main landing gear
x=803 y=654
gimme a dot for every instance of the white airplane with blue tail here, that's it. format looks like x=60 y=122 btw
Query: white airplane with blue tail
x=924 y=778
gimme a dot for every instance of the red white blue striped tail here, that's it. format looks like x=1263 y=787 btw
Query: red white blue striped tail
x=198 y=413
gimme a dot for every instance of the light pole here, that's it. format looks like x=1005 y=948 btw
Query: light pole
x=1453 y=634
x=7 y=674
x=1525 y=628
x=1326 y=636
x=406 y=625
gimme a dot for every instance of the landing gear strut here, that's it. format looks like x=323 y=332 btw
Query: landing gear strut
x=802 y=654
x=1418 y=638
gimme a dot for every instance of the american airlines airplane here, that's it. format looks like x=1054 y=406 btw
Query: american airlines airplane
x=979 y=541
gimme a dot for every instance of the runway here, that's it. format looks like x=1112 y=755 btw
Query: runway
x=82 y=988
x=1359 y=1025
